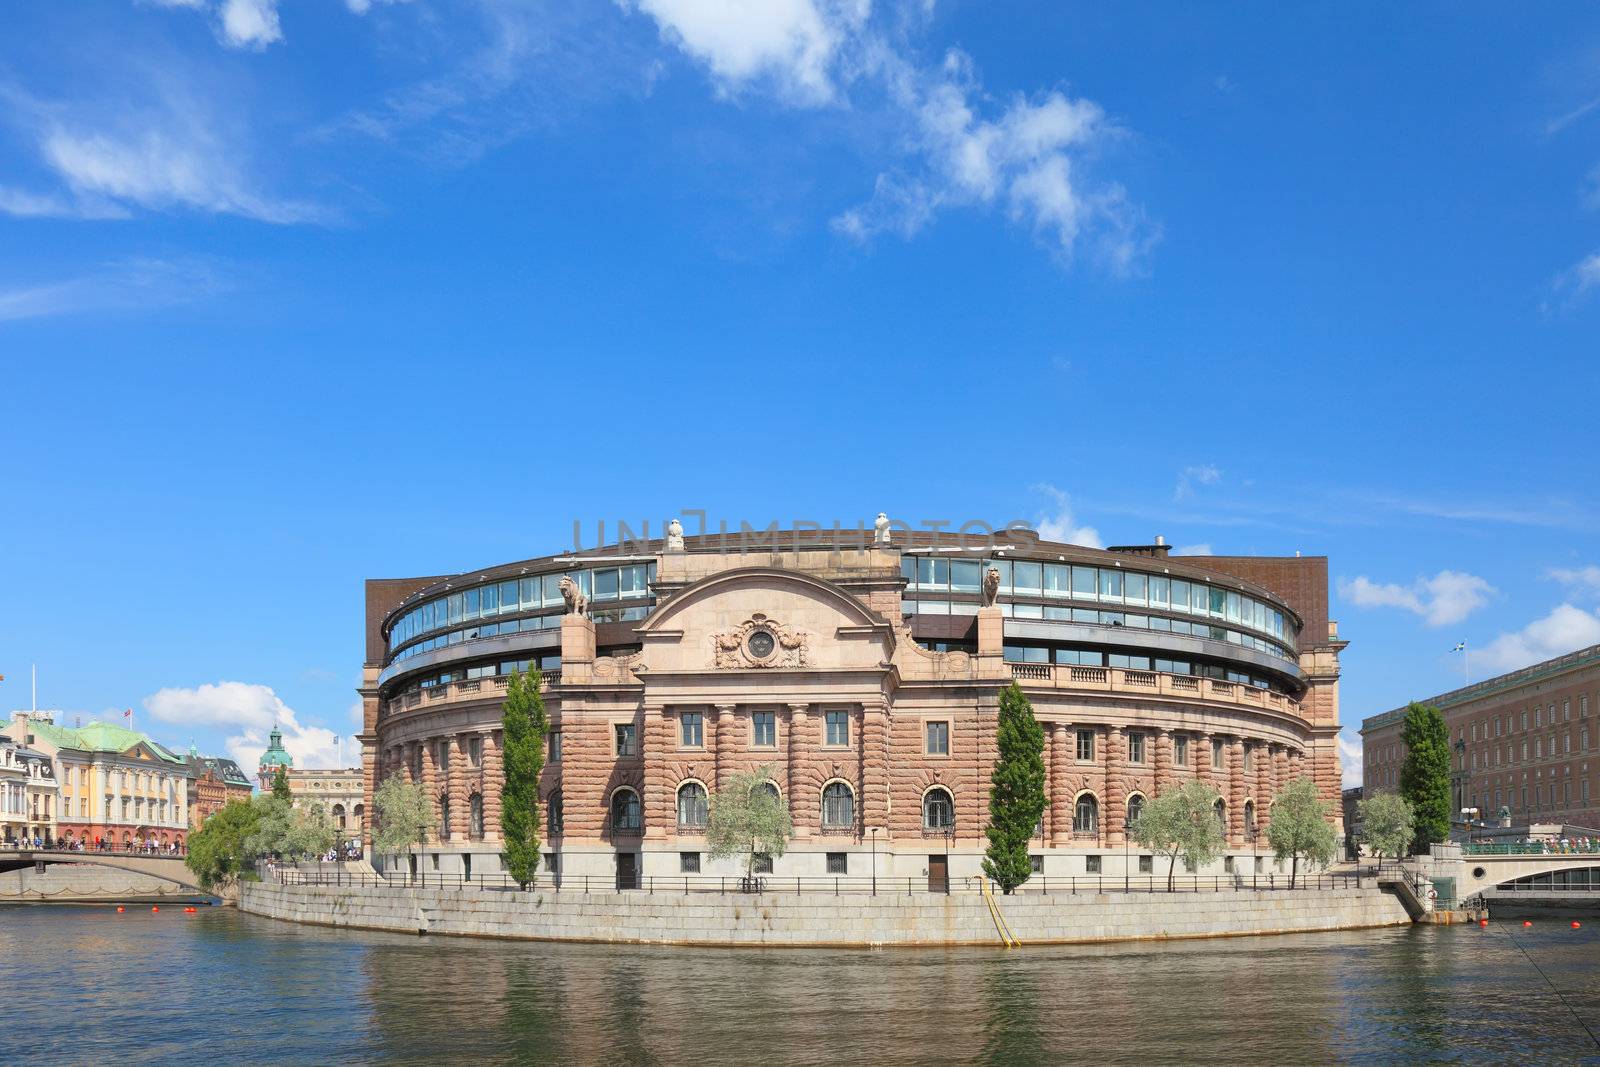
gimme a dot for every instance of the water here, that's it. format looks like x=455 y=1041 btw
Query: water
x=86 y=985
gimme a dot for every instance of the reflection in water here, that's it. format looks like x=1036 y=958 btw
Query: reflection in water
x=86 y=984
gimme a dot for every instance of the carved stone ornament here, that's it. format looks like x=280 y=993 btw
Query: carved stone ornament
x=674 y=536
x=991 y=586
x=880 y=527
x=759 y=642
x=577 y=602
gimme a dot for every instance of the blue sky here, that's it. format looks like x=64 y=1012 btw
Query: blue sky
x=293 y=294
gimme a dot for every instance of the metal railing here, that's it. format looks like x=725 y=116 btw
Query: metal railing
x=1534 y=848
x=829 y=885
x=57 y=849
x=1116 y=679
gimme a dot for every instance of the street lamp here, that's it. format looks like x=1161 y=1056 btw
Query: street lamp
x=872 y=831
x=949 y=832
x=1127 y=833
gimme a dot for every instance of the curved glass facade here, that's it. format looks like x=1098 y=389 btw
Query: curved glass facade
x=479 y=611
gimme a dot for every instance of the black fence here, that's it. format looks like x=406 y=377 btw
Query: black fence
x=841 y=885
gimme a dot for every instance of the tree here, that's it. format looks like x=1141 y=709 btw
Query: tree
x=1181 y=822
x=219 y=851
x=289 y=832
x=1299 y=827
x=1387 y=825
x=280 y=784
x=405 y=815
x=1425 y=774
x=1016 y=795
x=524 y=725
x=748 y=818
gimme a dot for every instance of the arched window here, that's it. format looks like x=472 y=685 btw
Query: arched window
x=360 y=813
x=553 y=816
x=1221 y=812
x=938 y=810
x=338 y=816
x=1086 y=815
x=1250 y=818
x=625 y=814
x=444 y=816
x=838 y=806
x=691 y=806
x=1135 y=809
x=475 y=817
x=771 y=787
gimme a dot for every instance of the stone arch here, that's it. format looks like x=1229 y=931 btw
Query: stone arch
x=938 y=816
x=698 y=806
x=475 y=816
x=1086 y=812
x=555 y=814
x=831 y=802
x=623 y=817
x=1134 y=804
x=769 y=576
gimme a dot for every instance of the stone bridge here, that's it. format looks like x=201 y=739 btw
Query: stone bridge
x=1484 y=870
x=167 y=868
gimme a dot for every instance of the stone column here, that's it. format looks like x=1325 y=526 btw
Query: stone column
x=1058 y=819
x=803 y=810
x=660 y=814
x=1275 y=776
x=1116 y=807
x=1202 y=758
x=1162 y=779
x=1235 y=794
x=458 y=785
x=723 y=742
x=494 y=779
x=875 y=766
x=430 y=786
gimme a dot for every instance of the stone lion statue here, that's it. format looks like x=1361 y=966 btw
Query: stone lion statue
x=881 y=526
x=577 y=603
x=991 y=586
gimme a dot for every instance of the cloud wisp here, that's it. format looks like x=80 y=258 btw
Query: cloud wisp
x=1448 y=597
x=127 y=285
x=1190 y=477
x=1060 y=524
x=247 y=713
x=1566 y=629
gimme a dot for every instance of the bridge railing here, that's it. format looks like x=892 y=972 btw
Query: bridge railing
x=1534 y=848
x=840 y=885
x=155 y=853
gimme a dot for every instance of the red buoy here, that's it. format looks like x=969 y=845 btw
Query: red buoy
x=154 y=908
x=1527 y=922
x=1483 y=922
x=189 y=910
x=121 y=909
x=1576 y=924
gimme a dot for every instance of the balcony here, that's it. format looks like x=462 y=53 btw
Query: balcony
x=490 y=688
x=1149 y=683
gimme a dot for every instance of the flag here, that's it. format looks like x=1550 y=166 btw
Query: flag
x=1461 y=646
x=128 y=714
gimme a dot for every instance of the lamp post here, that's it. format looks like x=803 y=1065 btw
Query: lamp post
x=872 y=831
x=949 y=832
x=1127 y=832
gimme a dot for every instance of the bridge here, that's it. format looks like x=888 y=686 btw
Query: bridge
x=1498 y=869
x=167 y=868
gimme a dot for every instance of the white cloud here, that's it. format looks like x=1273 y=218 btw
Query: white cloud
x=1579 y=279
x=954 y=149
x=1201 y=549
x=1564 y=630
x=1350 y=754
x=1061 y=526
x=131 y=285
x=250 y=23
x=248 y=712
x=1446 y=598
x=166 y=152
x=1189 y=477
x=1585 y=579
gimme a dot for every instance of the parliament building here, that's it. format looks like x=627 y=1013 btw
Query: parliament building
x=866 y=676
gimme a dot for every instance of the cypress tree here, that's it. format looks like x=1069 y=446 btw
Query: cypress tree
x=1425 y=773
x=524 y=724
x=280 y=784
x=1016 y=794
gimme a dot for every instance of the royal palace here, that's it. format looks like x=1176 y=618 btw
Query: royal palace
x=866 y=677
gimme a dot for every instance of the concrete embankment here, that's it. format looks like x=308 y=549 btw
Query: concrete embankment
x=821 y=920
x=86 y=883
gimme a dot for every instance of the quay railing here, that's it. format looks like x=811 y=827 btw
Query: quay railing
x=1160 y=683
x=829 y=885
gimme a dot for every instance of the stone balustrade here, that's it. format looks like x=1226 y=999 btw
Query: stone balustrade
x=1149 y=683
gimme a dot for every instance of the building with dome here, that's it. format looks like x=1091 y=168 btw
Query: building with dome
x=866 y=675
x=274 y=757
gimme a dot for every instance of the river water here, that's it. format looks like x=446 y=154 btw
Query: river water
x=86 y=985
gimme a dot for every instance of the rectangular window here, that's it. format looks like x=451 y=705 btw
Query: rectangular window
x=838 y=863
x=1566 y=710
x=763 y=863
x=555 y=746
x=689 y=862
x=938 y=738
x=475 y=751
x=1136 y=748
x=1216 y=755
x=1227 y=864
x=1147 y=864
x=838 y=728
x=1180 y=751
x=1091 y=864
x=605 y=585
x=1110 y=585
x=1135 y=589
x=627 y=740
x=965 y=575
x=1085 y=745
x=1036 y=863
x=692 y=727
x=764 y=729
x=1249 y=751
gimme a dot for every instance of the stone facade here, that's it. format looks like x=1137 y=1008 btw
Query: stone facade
x=338 y=790
x=839 y=670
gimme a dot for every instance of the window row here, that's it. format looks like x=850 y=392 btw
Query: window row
x=520 y=595
x=1105 y=585
x=837 y=808
x=1131 y=661
x=1095 y=617
x=511 y=626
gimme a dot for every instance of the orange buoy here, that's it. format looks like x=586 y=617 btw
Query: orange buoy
x=1576 y=924
x=154 y=907
x=120 y=909
x=189 y=910
x=1483 y=922
x=1527 y=922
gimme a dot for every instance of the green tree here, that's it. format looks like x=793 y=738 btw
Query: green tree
x=1016 y=795
x=1299 y=827
x=1425 y=774
x=289 y=832
x=524 y=726
x=405 y=815
x=219 y=851
x=1182 y=822
x=748 y=818
x=280 y=784
x=1387 y=825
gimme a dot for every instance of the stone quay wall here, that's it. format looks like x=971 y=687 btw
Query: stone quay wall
x=818 y=919
x=73 y=883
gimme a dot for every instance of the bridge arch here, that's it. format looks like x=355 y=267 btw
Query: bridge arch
x=166 y=868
